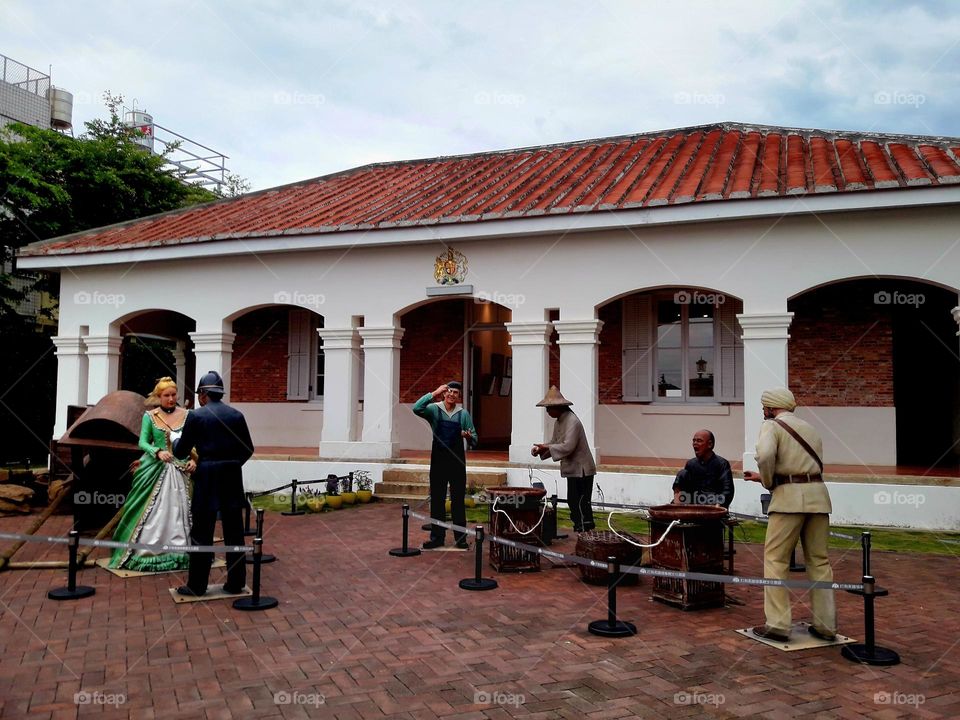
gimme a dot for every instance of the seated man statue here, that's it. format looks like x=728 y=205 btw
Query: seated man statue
x=706 y=479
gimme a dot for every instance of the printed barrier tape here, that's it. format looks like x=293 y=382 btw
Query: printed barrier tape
x=135 y=546
x=651 y=572
x=270 y=492
x=738 y=516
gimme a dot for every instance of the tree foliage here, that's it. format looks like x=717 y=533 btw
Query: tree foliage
x=53 y=185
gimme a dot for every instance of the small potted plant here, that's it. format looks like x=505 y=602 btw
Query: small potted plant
x=364 y=485
x=471 y=499
x=346 y=491
x=314 y=499
x=334 y=501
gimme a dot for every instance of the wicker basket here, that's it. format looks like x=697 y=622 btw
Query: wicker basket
x=602 y=544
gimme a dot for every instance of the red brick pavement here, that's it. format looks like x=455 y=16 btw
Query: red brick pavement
x=383 y=637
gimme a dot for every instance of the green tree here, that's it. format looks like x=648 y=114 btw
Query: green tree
x=53 y=185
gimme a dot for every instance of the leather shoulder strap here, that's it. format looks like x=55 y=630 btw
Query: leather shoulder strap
x=803 y=443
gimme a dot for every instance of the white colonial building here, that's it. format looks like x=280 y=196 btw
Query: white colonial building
x=662 y=280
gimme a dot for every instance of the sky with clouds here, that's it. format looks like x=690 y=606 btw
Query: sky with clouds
x=292 y=90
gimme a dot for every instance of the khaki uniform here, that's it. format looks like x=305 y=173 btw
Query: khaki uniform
x=797 y=510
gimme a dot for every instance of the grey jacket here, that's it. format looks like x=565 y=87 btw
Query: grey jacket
x=569 y=446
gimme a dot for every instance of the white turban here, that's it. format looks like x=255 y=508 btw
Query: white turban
x=778 y=398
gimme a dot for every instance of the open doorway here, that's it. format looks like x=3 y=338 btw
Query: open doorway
x=491 y=376
x=925 y=375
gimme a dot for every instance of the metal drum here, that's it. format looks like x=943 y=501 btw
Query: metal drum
x=694 y=545
x=524 y=508
x=99 y=449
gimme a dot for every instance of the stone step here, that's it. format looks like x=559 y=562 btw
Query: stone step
x=405 y=489
x=414 y=484
x=412 y=476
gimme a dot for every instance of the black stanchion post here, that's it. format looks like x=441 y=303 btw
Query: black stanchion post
x=611 y=627
x=267 y=557
x=293 y=500
x=794 y=565
x=868 y=652
x=477 y=582
x=405 y=551
x=256 y=601
x=556 y=531
x=247 y=532
x=72 y=591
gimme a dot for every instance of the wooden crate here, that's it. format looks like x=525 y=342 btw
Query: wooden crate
x=695 y=546
x=524 y=508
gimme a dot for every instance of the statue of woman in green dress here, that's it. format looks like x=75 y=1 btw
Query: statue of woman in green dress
x=157 y=510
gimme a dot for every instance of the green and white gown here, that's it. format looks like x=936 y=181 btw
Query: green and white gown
x=157 y=510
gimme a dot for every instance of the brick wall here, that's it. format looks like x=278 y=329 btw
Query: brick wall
x=841 y=348
x=611 y=354
x=432 y=348
x=259 y=369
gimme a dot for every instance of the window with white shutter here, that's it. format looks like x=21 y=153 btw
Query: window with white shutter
x=637 y=360
x=298 y=354
x=730 y=351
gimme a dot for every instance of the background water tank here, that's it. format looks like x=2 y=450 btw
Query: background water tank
x=61 y=108
x=144 y=123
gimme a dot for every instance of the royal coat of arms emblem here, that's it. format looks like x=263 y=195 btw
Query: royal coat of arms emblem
x=450 y=267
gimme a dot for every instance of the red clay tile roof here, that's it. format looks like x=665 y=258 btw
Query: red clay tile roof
x=729 y=161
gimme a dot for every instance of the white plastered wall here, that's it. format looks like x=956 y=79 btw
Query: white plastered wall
x=763 y=262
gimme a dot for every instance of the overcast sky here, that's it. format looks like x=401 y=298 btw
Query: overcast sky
x=291 y=90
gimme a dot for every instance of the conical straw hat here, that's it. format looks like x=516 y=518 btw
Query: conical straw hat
x=553 y=398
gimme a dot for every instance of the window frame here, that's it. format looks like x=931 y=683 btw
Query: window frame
x=646 y=348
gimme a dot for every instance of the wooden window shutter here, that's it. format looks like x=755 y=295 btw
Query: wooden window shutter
x=729 y=351
x=637 y=349
x=298 y=355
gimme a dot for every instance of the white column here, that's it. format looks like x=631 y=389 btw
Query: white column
x=579 y=368
x=71 y=378
x=765 y=338
x=214 y=351
x=341 y=353
x=381 y=391
x=103 y=366
x=531 y=363
x=180 y=361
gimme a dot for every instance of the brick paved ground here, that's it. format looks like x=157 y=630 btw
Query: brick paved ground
x=384 y=637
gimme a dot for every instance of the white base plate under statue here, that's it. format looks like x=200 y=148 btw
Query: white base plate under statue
x=124 y=573
x=800 y=639
x=214 y=592
x=445 y=548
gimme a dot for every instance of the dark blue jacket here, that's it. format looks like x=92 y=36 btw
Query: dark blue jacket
x=221 y=438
